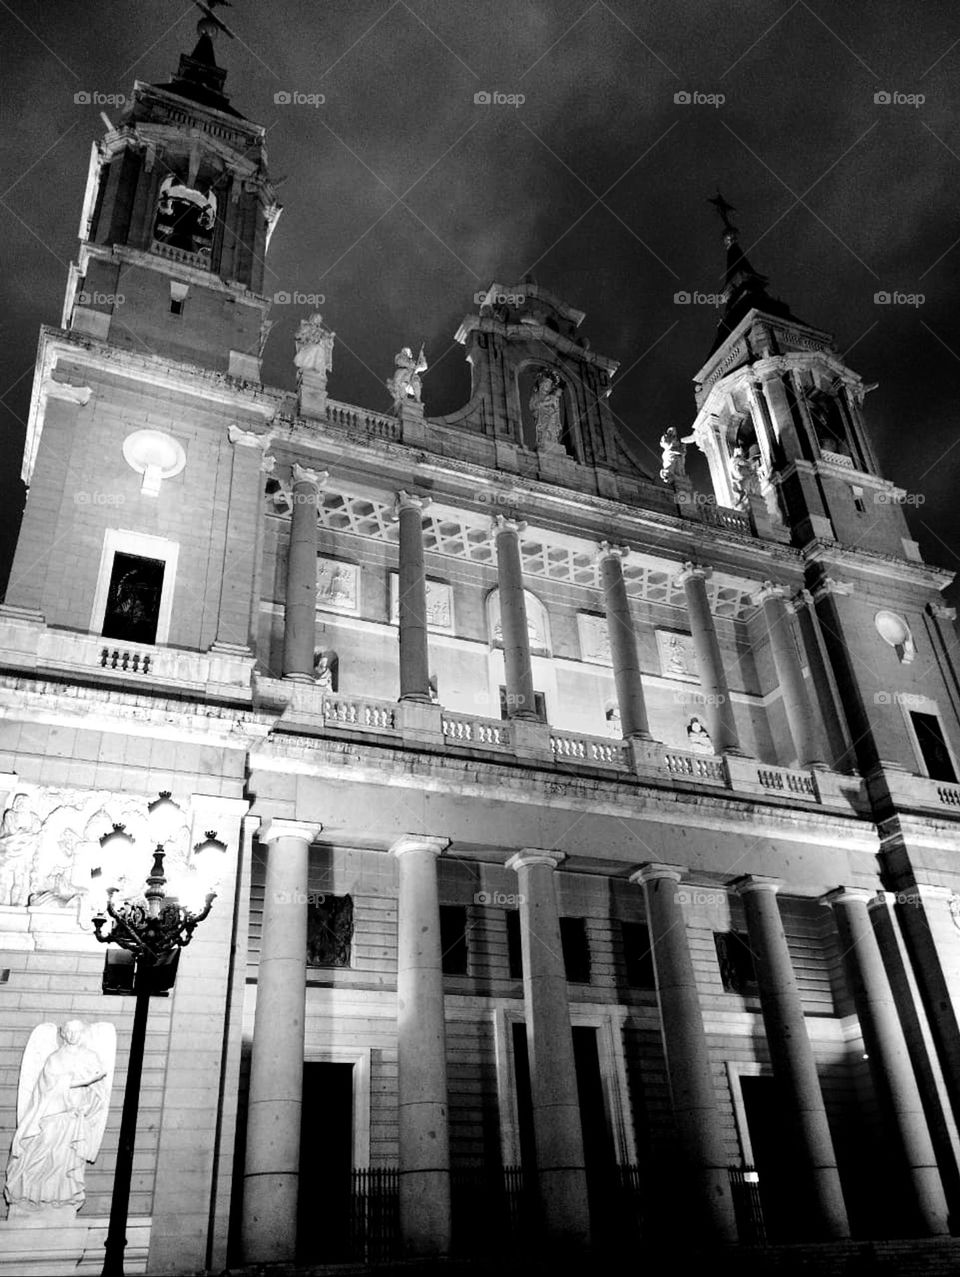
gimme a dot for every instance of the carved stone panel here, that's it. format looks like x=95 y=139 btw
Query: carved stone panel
x=678 y=656
x=439 y=604
x=338 y=586
x=594 y=638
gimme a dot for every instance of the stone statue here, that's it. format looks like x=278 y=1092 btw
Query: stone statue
x=19 y=840
x=65 y=1081
x=698 y=738
x=405 y=383
x=744 y=478
x=314 y=347
x=674 y=455
x=546 y=406
x=323 y=671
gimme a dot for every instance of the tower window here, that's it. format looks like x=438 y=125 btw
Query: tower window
x=453 y=939
x=576 y=950
x=735 y=958
x=933 y=746
x=178 y=296
x=133 y=599
x=638 y=955
x=176 y=305
x=858 y=500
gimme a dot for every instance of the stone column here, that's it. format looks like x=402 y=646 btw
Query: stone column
x=241 y=536
x=693 y=1093
x=792 y=1057
x=561 y=1173
x=300 y=607
x=713 y=680
x=272 y=1169
x=513 y=619
x=421 y=1051
x=623 y=643
x=412 y=601
x=822 y=680
x=796 y=701
x=889 y=1060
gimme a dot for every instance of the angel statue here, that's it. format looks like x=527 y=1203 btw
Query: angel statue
x=674 y=451
x=314 y=347
x=546 y=406
x=65 y=1081
x=744 y=479
x=405 y=383
x=19 y=839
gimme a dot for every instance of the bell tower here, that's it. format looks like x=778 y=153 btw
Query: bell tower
x=176 y=221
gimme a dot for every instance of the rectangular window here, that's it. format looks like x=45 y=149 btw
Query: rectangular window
x=514 y=947
x=576 y=951
x=735 y=958
x=858 y=500
x=133 y=599
x=453 y=939
x=539 y=705
x=638 y=955
x=933 y=746
x=329 y=930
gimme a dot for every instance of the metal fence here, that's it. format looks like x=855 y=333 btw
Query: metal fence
x=745 y=1188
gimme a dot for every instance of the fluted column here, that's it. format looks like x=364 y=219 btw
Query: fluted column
x=793 y=1063
x=421 y=1051
x=889 y=1059
x=693 y=1093
x=561 y=1174
x=272 y=1168
x=300 y=607
x=623 y=643
x=412 y=600
x=513 y=619
x=713 y=680
x=796 y=701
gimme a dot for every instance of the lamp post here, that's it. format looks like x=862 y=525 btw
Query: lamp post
x=153 y=932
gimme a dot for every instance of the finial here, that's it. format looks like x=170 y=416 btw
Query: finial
x=723 y=209
x=210 y=25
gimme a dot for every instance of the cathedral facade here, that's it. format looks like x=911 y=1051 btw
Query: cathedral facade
x=584 y=845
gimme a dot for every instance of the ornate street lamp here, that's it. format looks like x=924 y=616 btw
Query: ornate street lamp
x=152 y=932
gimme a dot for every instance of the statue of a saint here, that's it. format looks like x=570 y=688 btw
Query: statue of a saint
x=546 y=406
x=19 y=832
x=698 y=738
x=405 y=384
x=744 y=478
x=314 y=347
x=65 y=1081
x=323 y=671
x=674 y=451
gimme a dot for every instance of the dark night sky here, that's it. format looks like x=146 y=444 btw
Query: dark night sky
x=403 y=198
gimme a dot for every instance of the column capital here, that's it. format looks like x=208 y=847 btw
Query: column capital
x=773 y=590
x=503 y=523
x=272 y=829
x=301 y=474
x=248 y=438
x=527 y=857
x=610 y=550
x=693 y=571
x=409 y=501
x=419 y=842
x=942 y=612
x=268 y=464
x=755 y=882
x=653 y=871
x=829 y=585
x=846 y=896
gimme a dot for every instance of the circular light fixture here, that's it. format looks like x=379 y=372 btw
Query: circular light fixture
x=894 y=630
x=154 y=454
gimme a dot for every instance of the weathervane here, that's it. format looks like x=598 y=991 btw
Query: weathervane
x=723 y=208
x=210 y=24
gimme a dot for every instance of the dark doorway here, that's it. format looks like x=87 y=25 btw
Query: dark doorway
x=782 y=1191
x=133 y=599
x=933 y=746
x=326 y=1163
x=598 y=1151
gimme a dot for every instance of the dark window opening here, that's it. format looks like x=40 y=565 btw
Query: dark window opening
x=576 y=950
x=858 y=500
x=933 y=746
x=638 y=955
x=539 y=705
x=453 y=939
x=514 y=947
x=736 y=962
x=521 y=1069
x=329 y=930
x=176 y=305
x=133 y=599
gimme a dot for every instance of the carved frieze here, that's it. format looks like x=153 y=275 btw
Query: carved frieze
x=439 y=604
x=594 y=639
x=678 y=656
x=338 y=586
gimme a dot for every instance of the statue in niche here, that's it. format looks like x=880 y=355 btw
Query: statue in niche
x=19 y=839
x=546 y=404
x=674 y=451
x=405 y=384
x=744 y=476
x=698 y=738
x=314 y=348
x=62 y=1102
x=323 y=670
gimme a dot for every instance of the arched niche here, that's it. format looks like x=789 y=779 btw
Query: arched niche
x=538 y=622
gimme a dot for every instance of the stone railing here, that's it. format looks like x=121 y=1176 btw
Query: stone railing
x=949 y=795
x=359 y=711
x=485 y=732
x=698 y=766
x=378 y=425
x=598 y=750
x=784 y=780
x=837 y=459
x=200 y=261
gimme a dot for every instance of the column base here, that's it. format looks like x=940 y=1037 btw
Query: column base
x=646 y=755
x=312 y=396
x=530 y=739
x=420 y=721
x=299 y=678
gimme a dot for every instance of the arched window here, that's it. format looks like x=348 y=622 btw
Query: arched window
x=538 y=624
